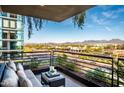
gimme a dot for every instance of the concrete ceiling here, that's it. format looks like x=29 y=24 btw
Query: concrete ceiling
x=50 y=12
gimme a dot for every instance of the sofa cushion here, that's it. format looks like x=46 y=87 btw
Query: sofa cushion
x=21 y=73
x=12 y=65
x=10 y=79
x=26 y=83
x=23 y=80
x=19 y=67
x=33 y=79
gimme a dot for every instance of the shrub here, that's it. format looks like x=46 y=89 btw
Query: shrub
x=97 y=74
x=34 y=63
x=70 y=66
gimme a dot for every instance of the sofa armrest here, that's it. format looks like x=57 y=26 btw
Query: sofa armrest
x=35 y=82
x=2 y=68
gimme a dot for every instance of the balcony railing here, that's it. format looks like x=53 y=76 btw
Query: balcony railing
x=100 y=70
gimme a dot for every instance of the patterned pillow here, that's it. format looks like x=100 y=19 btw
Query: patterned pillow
x=19 y=67
x=10 y=79
x=12 y=65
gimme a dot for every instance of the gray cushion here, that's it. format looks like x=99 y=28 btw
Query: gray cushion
x=12 y=65
x=10 y=79
x=33 y=79
x=26 y=83
x=19 y=67
x=23 y=80
x=21 y=74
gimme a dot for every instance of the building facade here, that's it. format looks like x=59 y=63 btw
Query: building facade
x=11 y=33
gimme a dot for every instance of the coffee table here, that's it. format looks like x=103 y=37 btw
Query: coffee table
x=53 y=81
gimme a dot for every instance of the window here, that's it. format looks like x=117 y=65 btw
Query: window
x=4 y=43
x=0 y=34
x=13 y=45
x=4 y=35
x=4 y=14
x=0 y=44
x=19 y=24
x=13 y=15
x=5 y=23
x=0 y=22
x=12 y=24
x=13 y=36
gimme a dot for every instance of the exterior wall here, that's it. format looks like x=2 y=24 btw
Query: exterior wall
x=14 y=35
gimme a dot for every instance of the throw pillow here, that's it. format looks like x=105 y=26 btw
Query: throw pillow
x=23 y=80
x=19 y=67
x=26 y=83
x=12 y=65
x=10 y=79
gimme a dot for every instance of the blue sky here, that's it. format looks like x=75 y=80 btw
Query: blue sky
x=101 y=22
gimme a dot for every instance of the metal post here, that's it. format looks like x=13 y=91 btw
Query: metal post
x=52 y=58
x=112 y=72
x=117 y=72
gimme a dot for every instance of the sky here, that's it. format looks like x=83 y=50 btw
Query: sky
x=101 y=23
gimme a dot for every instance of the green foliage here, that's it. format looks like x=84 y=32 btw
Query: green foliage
x=78 y=20
x=60 y=60
x=102 y=60
x=32 y=23
x=34 y=63
x=70 y=66
x=97 y=74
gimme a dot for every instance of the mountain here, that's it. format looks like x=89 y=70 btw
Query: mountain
x=112 y=41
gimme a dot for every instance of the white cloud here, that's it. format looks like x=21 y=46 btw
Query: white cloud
x=108 y=28
x=101 y=22
x=107 y=14
x=113 y=13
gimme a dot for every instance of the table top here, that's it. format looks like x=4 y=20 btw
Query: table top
x=50 y=75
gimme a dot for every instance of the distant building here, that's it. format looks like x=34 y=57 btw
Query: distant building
x=11 y=33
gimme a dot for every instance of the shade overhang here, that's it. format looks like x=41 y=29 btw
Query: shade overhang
x=49 y=12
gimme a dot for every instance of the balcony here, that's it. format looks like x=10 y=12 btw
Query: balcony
x=79 y=70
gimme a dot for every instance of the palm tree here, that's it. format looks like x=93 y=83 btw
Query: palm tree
x=78 y=21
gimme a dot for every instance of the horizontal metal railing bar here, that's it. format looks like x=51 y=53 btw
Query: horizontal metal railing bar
x=94 y=69
x=87 y=67
x=93 y=73
x=93 y=64
x=95 y=61
x=91 y=69
x=107 y=57
x=10 y=52
x=121 y=59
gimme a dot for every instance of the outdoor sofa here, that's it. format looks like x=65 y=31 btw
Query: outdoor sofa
x=14 y=75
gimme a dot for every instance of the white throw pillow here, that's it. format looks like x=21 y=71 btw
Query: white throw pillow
x=21 y=73
x=10 y=79
x=12 y=65
x=19 y=67
x=23 y=80
x=26 y=83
